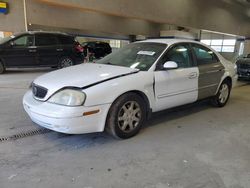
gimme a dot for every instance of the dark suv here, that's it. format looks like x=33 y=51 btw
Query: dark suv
x=39 y=49
x=98 y=49
x=243 y=67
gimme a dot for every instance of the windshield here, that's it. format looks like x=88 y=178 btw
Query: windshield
x=5 y=39
x=136 y=55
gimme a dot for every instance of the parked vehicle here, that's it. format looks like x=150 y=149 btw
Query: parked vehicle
x=243 y=67
x=39 y=49
x=118 y=92
x=98 y=49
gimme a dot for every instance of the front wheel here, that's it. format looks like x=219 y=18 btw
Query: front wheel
x=126 y=116
x=2 y=69
x=65 y=62
x=222 y=96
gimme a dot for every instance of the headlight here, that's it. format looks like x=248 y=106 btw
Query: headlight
x=68 y=97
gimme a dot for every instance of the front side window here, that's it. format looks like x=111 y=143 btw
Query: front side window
x=23 y=41
x=204 y=55
x=136 y=55
x=180 y=54
x=45 y=40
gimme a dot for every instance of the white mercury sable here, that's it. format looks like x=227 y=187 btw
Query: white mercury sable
x=118 y=92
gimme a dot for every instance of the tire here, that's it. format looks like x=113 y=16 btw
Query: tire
x=65 y=62
x=126 y=116
x=223 y=94
x=2 y=68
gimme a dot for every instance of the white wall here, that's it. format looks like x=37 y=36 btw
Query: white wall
x=1 y=34
x=14 y=20
x=216 y=15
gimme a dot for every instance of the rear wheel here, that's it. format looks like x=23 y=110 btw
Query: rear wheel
x=65 y=62
x=222 y=96
x=126 y=116
x=2 y=68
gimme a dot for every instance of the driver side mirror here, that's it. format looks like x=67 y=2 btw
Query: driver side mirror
x=170 y=65
x=11 y=44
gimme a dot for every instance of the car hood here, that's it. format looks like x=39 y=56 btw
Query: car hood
x=80 y=76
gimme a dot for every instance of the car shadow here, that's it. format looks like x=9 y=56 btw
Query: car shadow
x=177 y=112
x=84 y=141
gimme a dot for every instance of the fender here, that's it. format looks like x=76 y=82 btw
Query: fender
x=122 y=75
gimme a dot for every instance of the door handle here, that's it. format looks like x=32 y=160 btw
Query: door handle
x=59 y=49
x=192 y=75
x=32 y=51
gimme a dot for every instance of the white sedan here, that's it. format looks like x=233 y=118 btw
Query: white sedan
x=119 y=92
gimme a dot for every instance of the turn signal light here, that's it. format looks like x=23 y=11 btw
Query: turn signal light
x=91 y=112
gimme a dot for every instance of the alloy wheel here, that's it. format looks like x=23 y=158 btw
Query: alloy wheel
x=66 y=62
x=129 y=116
x=224 y=93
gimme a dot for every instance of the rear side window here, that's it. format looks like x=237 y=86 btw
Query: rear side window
x=100 y=45
x=45 y=40
x=106 y=45
x=204 y=55
x=66 y=39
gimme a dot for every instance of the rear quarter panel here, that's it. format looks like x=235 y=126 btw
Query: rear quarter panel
x=230 y=70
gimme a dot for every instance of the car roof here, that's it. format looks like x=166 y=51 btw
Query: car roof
x=43 y=32
x=170 y=41
x=96 y=42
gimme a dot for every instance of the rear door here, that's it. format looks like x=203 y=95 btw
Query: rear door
x=66 y=46
x=20 y=52
x=48 y=49
x=210 y=70
x=176 y=86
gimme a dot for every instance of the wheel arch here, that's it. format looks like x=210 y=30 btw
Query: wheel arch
x=109 y=128
x=2 y=61
x=146 y=100
x=3 y=66
x=139 y=93
x=229 y=80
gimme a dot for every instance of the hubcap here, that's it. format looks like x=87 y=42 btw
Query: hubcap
x=66 y=62
x=224 y=92
x=129 y=116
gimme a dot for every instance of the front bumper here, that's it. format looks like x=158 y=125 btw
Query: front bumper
x=234 y=80
x=243 y=72
x=244 y=75
x=65 y=119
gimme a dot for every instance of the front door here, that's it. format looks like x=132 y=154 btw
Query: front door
x=20 y=52
x=48 y=49
x=179 y=86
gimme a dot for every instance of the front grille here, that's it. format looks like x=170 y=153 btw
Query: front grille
x=38 y=91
